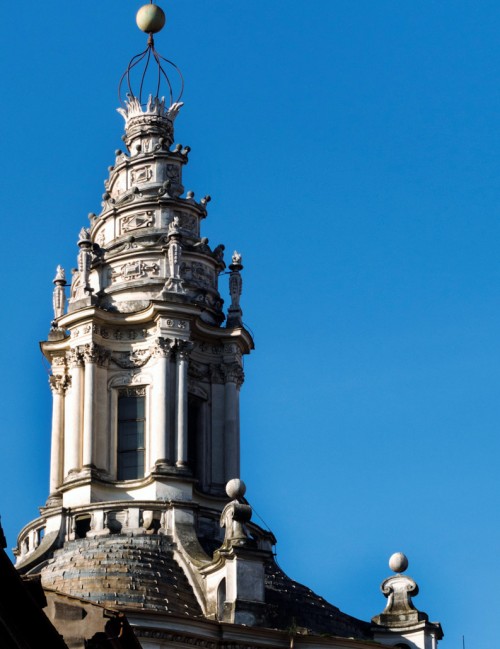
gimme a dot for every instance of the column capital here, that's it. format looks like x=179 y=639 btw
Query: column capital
x=74 y=357
x=94 y=353
x=59 y=383
x=162 y=347
x=184 y=349
x=233 y=373
x=217 y=374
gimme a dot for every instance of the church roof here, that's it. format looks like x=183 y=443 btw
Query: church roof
x=141 y=572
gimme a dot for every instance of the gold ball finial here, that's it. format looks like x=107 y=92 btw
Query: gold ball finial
x=150 y=18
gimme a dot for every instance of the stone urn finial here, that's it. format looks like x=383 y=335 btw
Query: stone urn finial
x=235 y=515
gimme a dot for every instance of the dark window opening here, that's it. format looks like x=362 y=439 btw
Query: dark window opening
x=221 y=599
x=82 y=526
x=131 y=426
x=195 y=435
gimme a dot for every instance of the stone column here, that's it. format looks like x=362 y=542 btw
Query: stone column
x=73 y=413
x=217 y=446
x=181 y=418
x=58 y=384
x=90 y=352
x=160 y=438
x=234 y=379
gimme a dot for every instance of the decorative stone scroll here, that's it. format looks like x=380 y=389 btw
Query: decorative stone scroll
x=400 y=610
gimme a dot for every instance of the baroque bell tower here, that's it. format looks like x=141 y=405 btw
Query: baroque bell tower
x=146 y=366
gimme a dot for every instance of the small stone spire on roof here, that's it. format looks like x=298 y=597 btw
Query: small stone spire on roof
x=399 y=590
x=400 y=620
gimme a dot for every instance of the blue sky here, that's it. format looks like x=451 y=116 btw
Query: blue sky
x=352 y=151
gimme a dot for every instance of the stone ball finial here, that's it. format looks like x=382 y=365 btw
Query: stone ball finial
x=150 y=18
x=236 y=488
x=398 y=562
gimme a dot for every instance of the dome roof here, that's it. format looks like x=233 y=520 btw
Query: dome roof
x=137 y=571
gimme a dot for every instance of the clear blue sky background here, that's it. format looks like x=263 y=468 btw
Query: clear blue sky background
x=352 y=150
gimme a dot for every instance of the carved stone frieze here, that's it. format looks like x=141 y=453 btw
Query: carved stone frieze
x=186 y=221
x=135 y=270
x=132 y=377
x=131 y=359
x=173 y=172
x=138 y=220
x=199 y=274
x=123 y=247
x=229 y=348
x=141 y=174
x=120 y=334
x=172 y=323
x=198 y=370
x=139 y=391
x=58 y=361
x=178 y=638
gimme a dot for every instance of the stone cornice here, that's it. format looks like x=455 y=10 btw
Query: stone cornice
x=211 y=634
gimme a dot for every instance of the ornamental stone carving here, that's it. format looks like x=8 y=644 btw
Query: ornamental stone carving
x=174 y=283
x=74 y=357
x=59 y=383
x=59 y=295
x=162 y=348
x=131 y=359
x=141 y=174
x=217 y=374
x=184 y=349
x=139 y=220
x=94 y=353
x=134 y=270
x=233 y=373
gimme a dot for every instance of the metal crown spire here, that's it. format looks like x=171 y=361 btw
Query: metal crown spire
x=150 y=19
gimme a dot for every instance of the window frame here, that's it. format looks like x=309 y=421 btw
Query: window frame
x=138 y=392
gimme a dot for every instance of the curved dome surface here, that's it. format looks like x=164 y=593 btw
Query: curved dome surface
x=138 y=571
